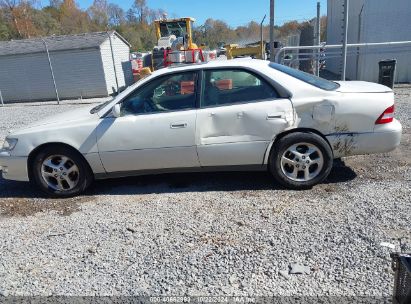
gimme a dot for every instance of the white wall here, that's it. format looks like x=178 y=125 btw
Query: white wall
x=77 y=72
x=26 y=77
x=122 y=63
x=381 y=21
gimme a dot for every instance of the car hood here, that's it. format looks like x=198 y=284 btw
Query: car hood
x=69 y=117
x=361 y=87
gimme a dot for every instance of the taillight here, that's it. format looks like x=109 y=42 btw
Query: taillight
x=386 y=117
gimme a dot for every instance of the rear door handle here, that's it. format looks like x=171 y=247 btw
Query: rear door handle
x=179 y=125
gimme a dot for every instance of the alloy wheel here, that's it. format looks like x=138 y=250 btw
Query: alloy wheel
x=60 y=173
x=302 y=162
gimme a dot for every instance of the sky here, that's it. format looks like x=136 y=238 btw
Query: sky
x=234 y=12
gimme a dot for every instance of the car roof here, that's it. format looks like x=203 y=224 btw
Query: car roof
x=240 y=62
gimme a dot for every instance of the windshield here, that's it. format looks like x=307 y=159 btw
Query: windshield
x=177 y=28
x=308 y=78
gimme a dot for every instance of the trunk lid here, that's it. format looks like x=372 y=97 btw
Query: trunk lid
x=361 y=87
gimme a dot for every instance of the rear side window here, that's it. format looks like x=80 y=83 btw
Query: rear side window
x=231 y=86
x=308 y=78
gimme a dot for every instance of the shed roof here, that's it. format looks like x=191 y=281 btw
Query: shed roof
x=56 y=43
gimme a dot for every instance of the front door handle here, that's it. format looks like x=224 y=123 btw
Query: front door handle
x=278 y=115
x=275 y=117
x=179 y=125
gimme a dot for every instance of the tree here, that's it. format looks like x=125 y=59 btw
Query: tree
x=5 y=32
x=130 y=16
x=45 y=23
x=56 y=3
x=19 y=12
x=140 y=9
x=72 y=19
x=99 y=14
x=213 y=32
x=154 y=14
x=249 y=33
x=21 y=19
x=116 y=15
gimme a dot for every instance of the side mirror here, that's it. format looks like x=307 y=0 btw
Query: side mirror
x=116 y=111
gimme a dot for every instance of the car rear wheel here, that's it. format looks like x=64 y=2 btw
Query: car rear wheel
x=60 y=171
x=301 y=160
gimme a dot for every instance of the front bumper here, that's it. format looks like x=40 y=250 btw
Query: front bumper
x=13 y=167
x=385 y=138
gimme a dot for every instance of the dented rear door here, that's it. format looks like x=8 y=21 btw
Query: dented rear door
x=233 y=131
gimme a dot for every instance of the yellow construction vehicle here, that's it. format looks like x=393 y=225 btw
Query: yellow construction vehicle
x=255 y=50
x=175 y=43
x=180 y=28
x=175 y=46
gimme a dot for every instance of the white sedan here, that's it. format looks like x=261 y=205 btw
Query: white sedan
x=222 y=115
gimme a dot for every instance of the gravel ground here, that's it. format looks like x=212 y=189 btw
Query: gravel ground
x=209 y=234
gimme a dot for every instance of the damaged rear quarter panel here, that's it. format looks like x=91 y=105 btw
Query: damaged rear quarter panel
x=356 y=114
x=342 y=117
x=315 y=114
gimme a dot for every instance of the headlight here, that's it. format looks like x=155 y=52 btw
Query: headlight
x=9 y=143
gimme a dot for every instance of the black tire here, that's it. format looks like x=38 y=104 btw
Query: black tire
x=300 y=139
x=84 y=177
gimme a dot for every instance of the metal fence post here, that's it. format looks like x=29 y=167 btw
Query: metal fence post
x=262 y=38
x=1 y=98
x=51 y=70
x=272 y=6
x=114 y=62
x=318 y=38
x=345 y=40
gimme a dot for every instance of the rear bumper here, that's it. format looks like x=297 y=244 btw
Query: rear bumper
x=13 y=167
x=385 y=138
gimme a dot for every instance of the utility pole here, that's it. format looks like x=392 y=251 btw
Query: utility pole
x=272 y=57
x=262 y=38
x=345 y=40
x=359 y=41
x=318 y=38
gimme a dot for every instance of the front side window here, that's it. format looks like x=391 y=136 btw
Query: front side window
x=231 y=86
x=168 y=93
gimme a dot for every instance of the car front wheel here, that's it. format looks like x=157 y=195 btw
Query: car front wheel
x=301 y=160
x=60 y=171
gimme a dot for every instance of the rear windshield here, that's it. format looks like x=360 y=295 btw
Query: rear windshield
x=308 y=78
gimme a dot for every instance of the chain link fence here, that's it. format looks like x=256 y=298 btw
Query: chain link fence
x=374 y=33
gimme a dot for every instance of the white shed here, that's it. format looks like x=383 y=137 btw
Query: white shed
x=371 y=21
x=87 y=65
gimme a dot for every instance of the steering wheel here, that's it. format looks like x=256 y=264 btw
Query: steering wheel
x=149 y=106
x=140 y=106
